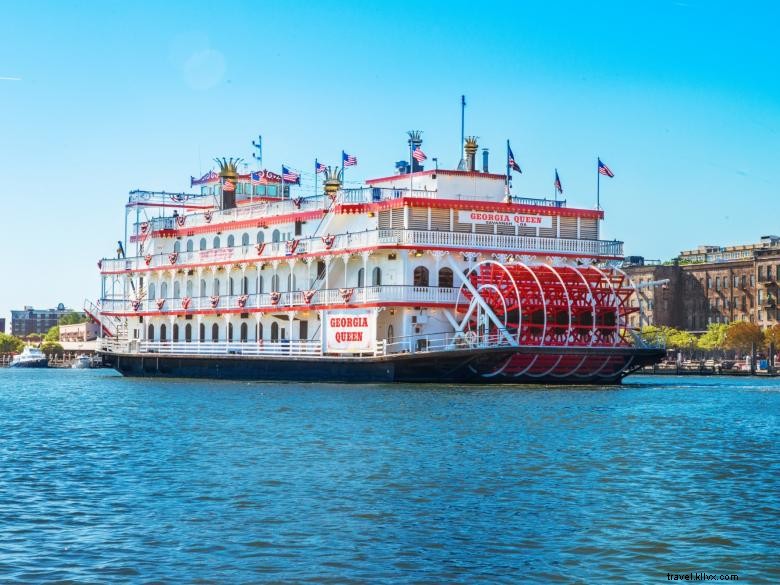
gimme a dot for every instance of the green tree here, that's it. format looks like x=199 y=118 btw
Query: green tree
x=52 y=334
x=10 y=344
x=678 y=339
x=72 y=318
x=714 y=339
x=51 y=347
x=743 y=336
x=772 y=336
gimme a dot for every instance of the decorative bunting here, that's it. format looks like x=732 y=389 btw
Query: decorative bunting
x=148 y=259
x=290 y=246
x=297 y=202
x=180 y=220
x=328 y=241
x=308 y=295
x=207 y=215
x=242 y=300
x=144 y=227
x=275 y=296
x=160 y=303
x=136 y=304
x=185 y=303
x=100 y=264
x=214 y=301
x=346 y=294
x=172 y=258
x=260 y=248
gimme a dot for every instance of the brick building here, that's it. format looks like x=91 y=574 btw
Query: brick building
x=29 y=320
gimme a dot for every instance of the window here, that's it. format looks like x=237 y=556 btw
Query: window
x=291 y=282
x=176 y=290
x=260 y=283
x=275 y=236
x=260 y=237
x=390 y=333
x=244 y=332
x=216 y=242
x=274 y=331
x=275 y=283
x=298 y=228
x=152 y=291
x=202 y=332
x=303 y=331
x=150 y=333
x=752 y=280
x=162 y=332
x=245 y=239
x=189 y=288
x=736 y=282
x=760 y=273
x=215 y=333
x=717 y=283
x=446 y=277
x=231 y=241
x=175 y=332
x=202 y=243
x=230 y=332
x=361 y=278
x=421 y=276
x=709 y=282
x=177 y=246
x=215 y=287
x=259 y=331
x=203 y=287
x=190 y=245
x=188 y=332
x=164 y=290
x=376 y=277
x=769 y=273
x=231 y=290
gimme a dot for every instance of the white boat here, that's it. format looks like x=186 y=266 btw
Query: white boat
x=31 y=357
x=82 y=362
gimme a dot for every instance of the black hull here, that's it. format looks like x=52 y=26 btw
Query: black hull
x=38 y=364
x=556 y=365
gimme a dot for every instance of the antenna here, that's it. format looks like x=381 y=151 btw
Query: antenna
x=258 y=156
x=462 y=163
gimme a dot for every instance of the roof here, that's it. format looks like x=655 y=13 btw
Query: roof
x=443 y=172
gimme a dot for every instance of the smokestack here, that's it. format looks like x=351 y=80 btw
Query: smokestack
x=471 y=147
x=484 y=160
x=228 y=171
x=415 y=141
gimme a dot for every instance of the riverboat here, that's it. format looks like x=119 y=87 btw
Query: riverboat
x=424 y=275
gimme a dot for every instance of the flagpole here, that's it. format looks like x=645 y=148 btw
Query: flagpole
x=598 y=184
x=411 y=166
x=281 y=196
x=343 y=171
x=315 y=176
x=508 y=170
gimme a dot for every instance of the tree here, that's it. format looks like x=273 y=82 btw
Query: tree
x=52 y=334
x=51 y=347
x=772 y=337
x=677 y=339
x=10 y=344
x=743 y=336
x=714 y=339
x=73 y=318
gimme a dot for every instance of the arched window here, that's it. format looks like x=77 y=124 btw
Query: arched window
x=152 y=291
x=445 y=277
x=164 y=290
x=203 y=287
x=421 y=276
x=291 y=282
x=175 y=332
x=150 y=333
x=245 y=285
x=245 y=239
x=390 y=333
x=215 y=287
x=231 y=241
x=177 y=246
x=244 y=332
x=376 y=277
x=215 y=333
x=216 y=242
x=259 y=332
x=188 y=332
x=361 y=278
x=176 y=290
x=260 y=237
x=274 y=331
x=230 y=332
x=190 y=245
x=202 y=244
x=260 y=283
x=275 y=283
x=275 y=236
x=189 y=288
x=231 y=289
x=162 y=332
x=202 y=332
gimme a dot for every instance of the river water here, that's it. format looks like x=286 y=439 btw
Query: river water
x=105 y=479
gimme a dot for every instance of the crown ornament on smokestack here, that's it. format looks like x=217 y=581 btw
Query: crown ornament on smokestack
x=228 y=171
x=332 y=183
x=415 y=141
x=470 y=148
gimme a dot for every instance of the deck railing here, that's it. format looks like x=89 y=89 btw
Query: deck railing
x=381 y=237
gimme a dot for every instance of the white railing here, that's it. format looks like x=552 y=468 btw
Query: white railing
x=458 y=240
x=362 y=295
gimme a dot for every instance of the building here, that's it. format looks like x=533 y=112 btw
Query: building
x=712 y=284
x=79 y=332
x=2 y=324
x=29 y=320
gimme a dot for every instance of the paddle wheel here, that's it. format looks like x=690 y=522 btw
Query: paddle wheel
x=546 y=306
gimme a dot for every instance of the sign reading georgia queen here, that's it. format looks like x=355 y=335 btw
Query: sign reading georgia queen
x=499 y=217
x=349 y=332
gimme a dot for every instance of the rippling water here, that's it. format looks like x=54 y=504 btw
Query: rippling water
x=109 y=479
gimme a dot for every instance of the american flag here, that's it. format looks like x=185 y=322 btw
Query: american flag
x=258 y=178
x=418 y=154
x=290 y=176
x=604 y=170
x=348 y=160
x=228 y=186
x=319 y=167
x=511 y=160
x=558 y=183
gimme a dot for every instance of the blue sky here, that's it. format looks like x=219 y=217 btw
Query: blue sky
x=680 y=98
